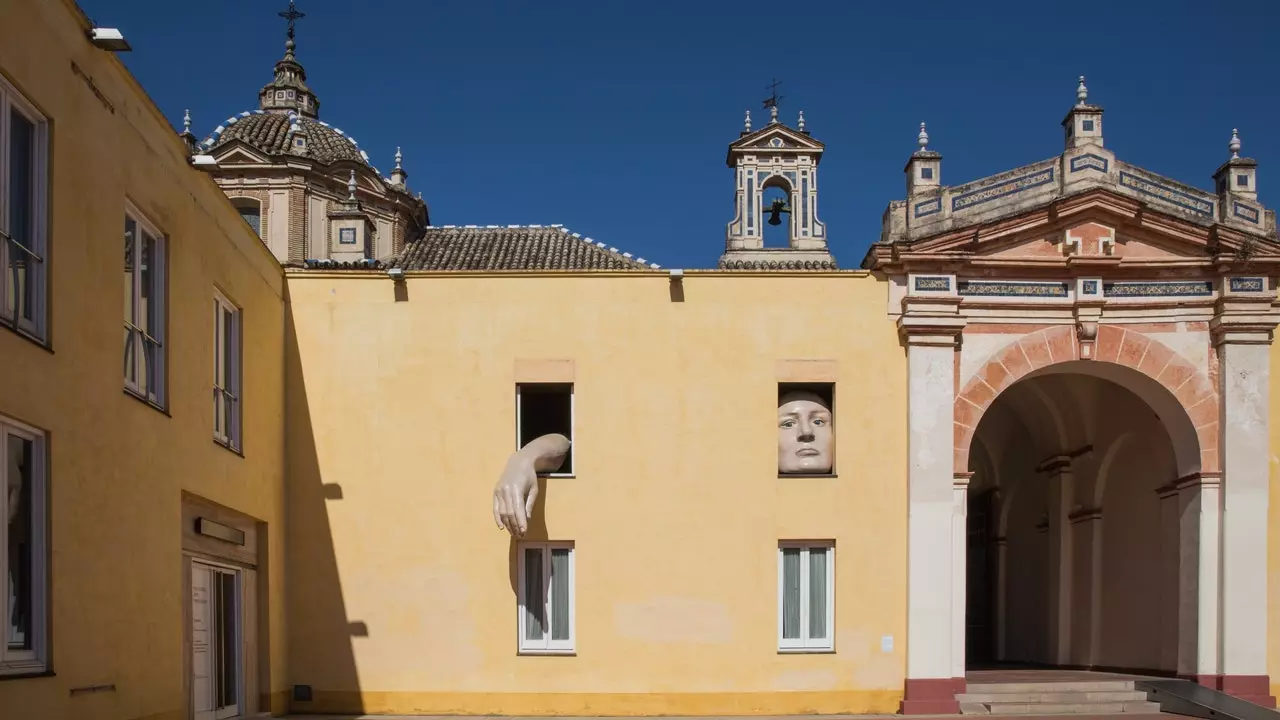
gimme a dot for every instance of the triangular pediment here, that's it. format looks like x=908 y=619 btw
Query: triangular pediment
x=238 y=153
x=776 y=136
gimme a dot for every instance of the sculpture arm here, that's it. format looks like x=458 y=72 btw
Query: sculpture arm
x=517 y=488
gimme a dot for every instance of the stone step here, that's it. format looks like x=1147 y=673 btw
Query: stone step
x=1052 y=687
x=1079 y=696
x=1100 y=708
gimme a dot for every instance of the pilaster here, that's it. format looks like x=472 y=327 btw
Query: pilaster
x=1242 y=331
x=930 y=327
x=1061 y=493
x=1086 y=535
x=1199 y=509
x=959 y=568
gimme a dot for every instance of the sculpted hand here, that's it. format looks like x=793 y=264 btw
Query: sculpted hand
x=514 y=496
x=517 y=489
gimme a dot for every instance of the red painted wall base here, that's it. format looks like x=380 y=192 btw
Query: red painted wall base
x=1251 y=688
x=934 y=696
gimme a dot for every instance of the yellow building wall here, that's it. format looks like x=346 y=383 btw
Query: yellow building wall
x=118 y=467
x=1273 y=527
x=402 y=415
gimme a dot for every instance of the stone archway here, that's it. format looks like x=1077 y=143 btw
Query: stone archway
x=1062 y=580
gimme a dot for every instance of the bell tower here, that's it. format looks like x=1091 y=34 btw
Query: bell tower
x=776 y=156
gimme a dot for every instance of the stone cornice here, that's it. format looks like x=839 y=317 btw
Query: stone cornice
x=1244 y=320
x=930 y=321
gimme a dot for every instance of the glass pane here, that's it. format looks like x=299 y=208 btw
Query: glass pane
x=560 y=594
x=129 y=356
x=227 y=690
x=130 y=245
x=253 y=216
x=217 y=345
x=228 y=409
x=19 y=456
x=791 y=593
x=228 y=350
x=148 y=296
x=817 y=593
x=21 y=213
x=533 y=600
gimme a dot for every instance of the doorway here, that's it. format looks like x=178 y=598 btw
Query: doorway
x=216 y=666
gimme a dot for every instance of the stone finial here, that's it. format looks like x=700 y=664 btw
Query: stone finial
x=773 y=113
x=923 y=138
x=1234 y=145
x=398 y=158
x=1082 y=92
x=746 y=126
x=351 y=187
x=801 y=123
x=186 y=120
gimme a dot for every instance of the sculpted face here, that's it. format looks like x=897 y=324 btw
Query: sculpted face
x=804 y=433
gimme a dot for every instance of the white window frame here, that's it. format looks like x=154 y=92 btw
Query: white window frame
x=155 y=393
x=546 y=646
x=573 y=417
x=227 y=381
x=35 y=660
x=805 y=643
x=37 y=275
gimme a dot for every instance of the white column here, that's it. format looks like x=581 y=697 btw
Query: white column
x=959 y=569
x=1061 y=495
x=930 y=327
x=931 y=395
x=1244 y=373
x=1199 y=512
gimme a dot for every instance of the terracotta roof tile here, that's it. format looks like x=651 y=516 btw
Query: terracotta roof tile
x=511 y=248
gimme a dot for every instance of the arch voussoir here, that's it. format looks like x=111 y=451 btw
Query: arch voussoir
x=1114 y=344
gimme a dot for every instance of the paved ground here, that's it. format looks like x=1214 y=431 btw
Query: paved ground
x=1124 y=716
x=1120 y=716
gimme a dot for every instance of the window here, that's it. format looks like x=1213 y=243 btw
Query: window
x=806 y=429
x=22 y=550
x=346 y=236
x=546 y=597
x=251 y=211
x=23 y=199
x=226 y=372
x=1242 y=180
x=926 y=173
x=144 y=311
x=1087 y=125
x=543 y=409
x=806 y=596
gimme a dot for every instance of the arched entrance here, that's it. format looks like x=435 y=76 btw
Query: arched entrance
x=1074 y=539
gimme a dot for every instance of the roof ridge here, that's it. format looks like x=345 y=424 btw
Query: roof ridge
x=554 y=226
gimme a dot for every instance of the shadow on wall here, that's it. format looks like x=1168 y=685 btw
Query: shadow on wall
x=536 y=532
x=324 y=674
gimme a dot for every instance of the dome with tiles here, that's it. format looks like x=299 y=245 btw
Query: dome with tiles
x=277 y=134
x=287 y=121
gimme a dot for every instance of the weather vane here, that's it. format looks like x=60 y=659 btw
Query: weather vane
x=774 y=97
x=291 y=15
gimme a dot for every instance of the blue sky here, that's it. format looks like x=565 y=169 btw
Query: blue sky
x=612 y=117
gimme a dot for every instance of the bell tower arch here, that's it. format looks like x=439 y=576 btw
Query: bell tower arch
x=776 y=156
